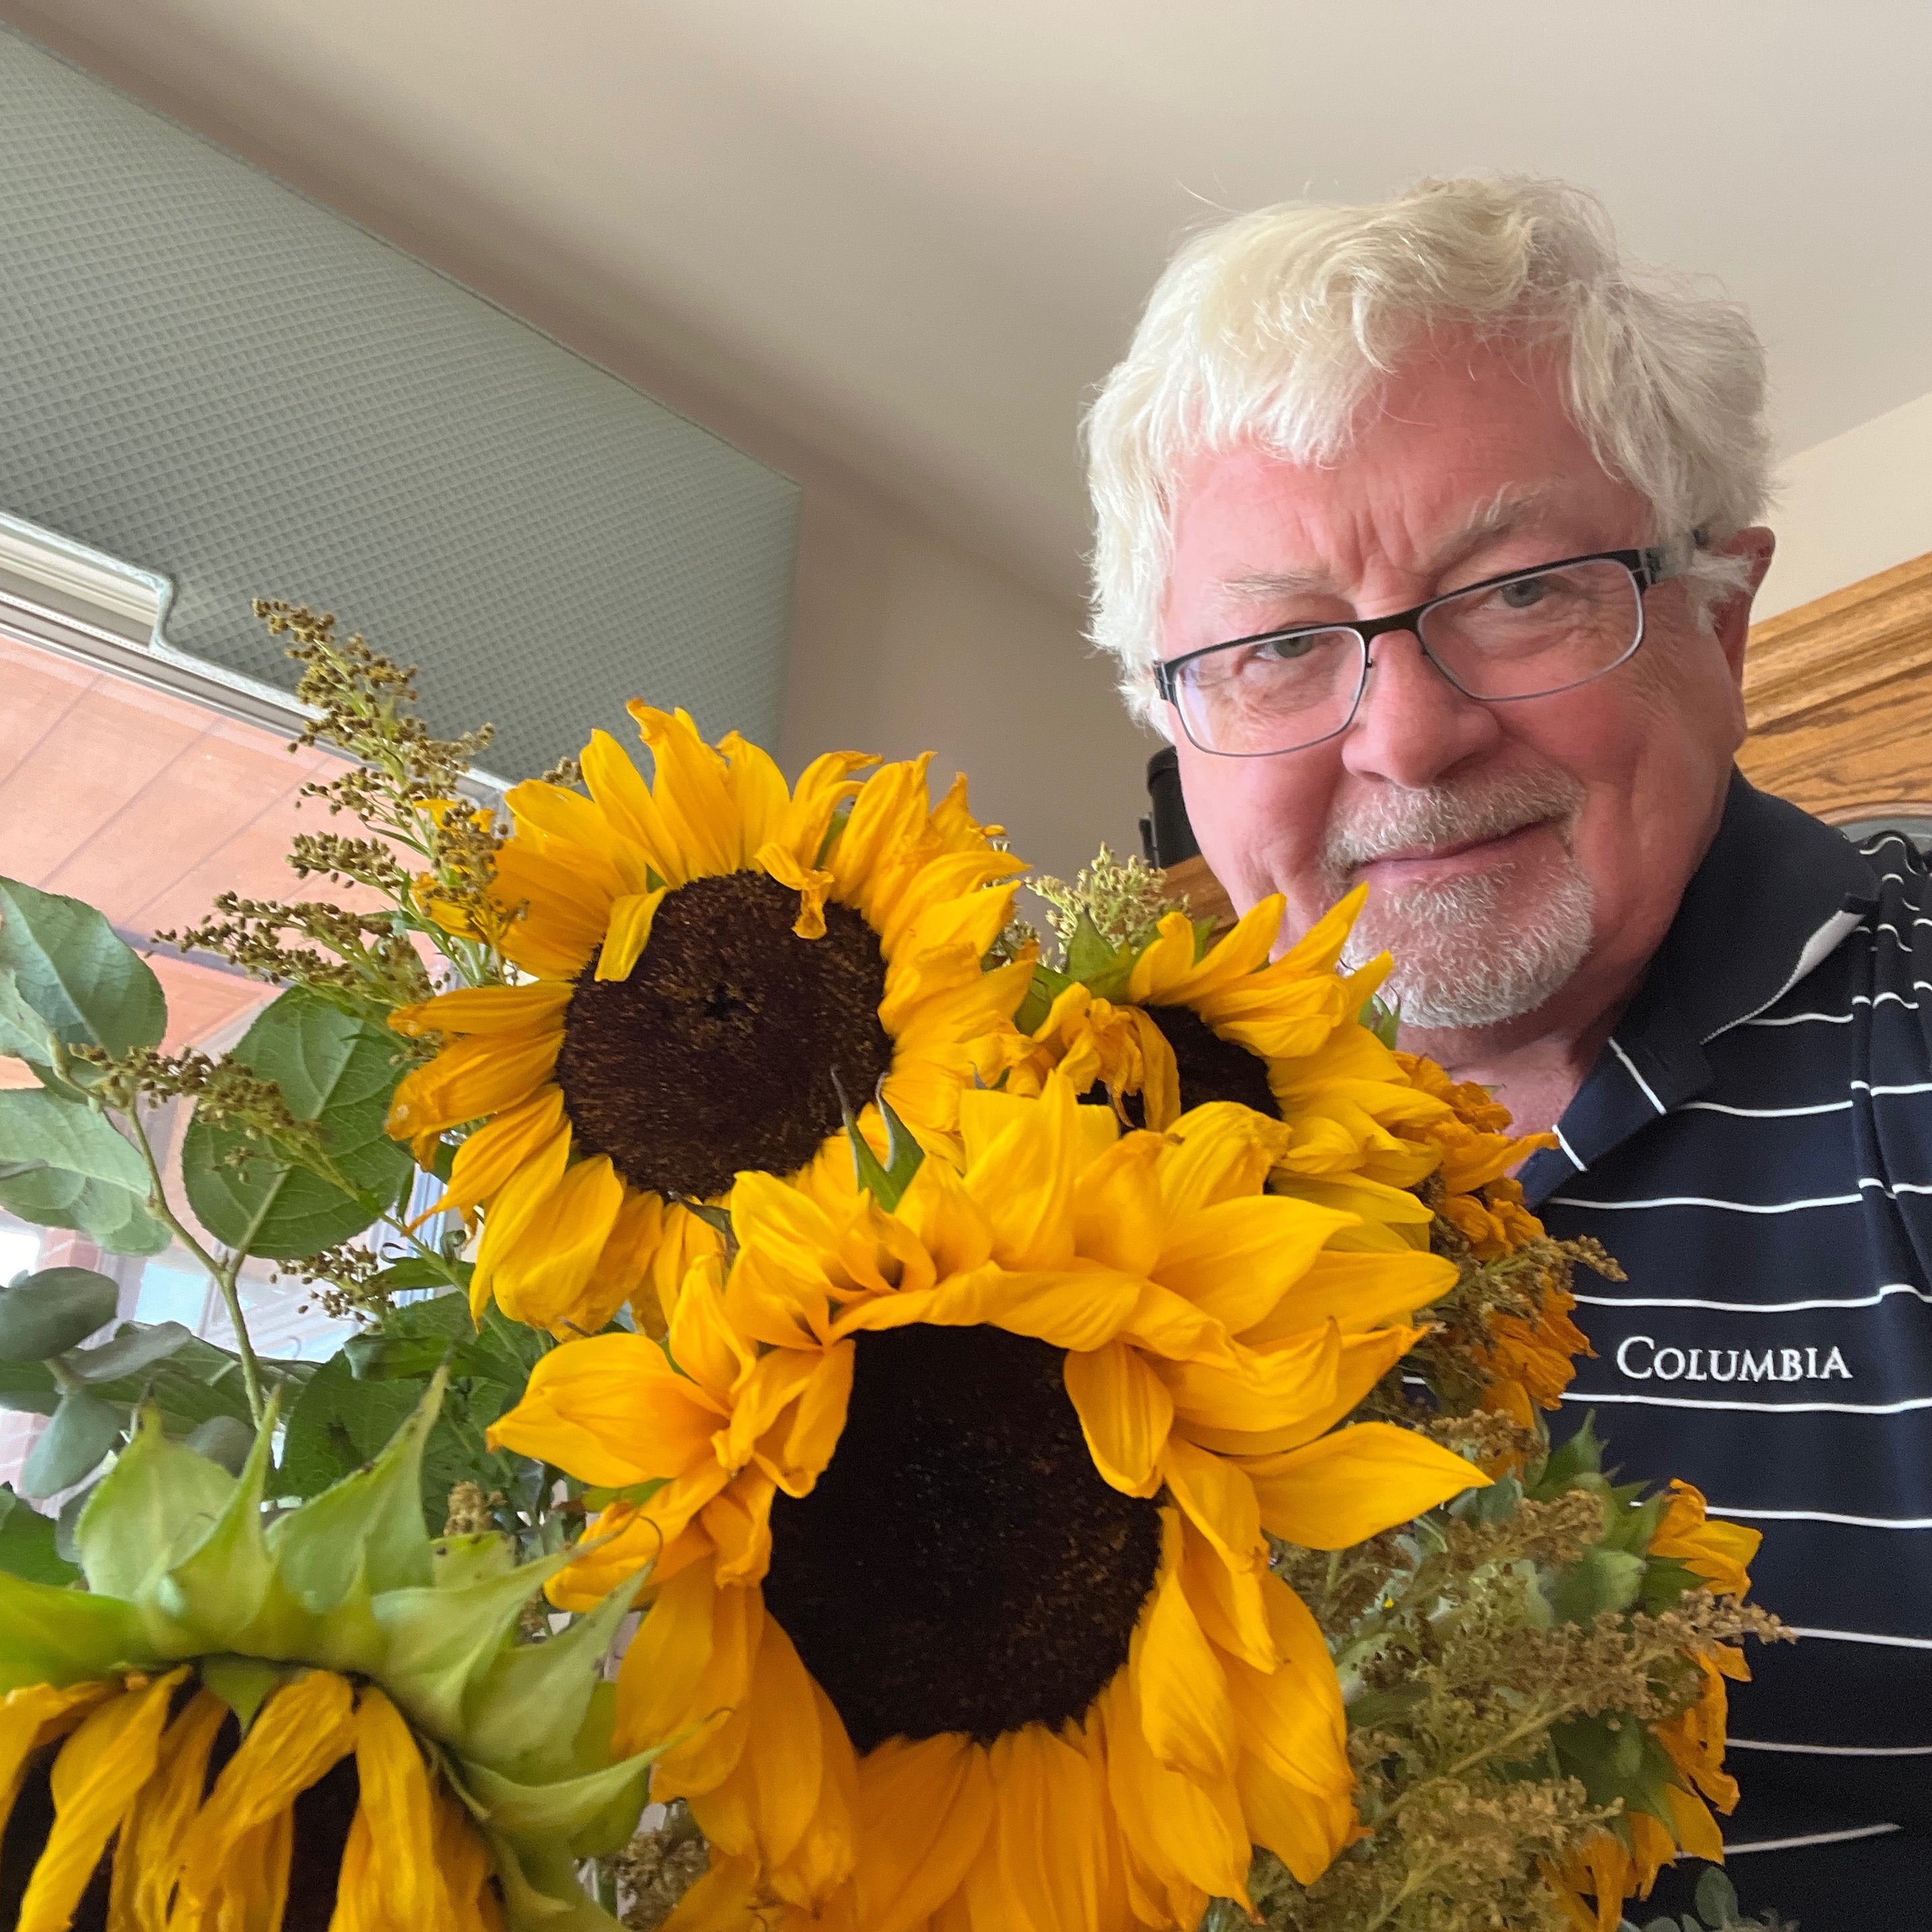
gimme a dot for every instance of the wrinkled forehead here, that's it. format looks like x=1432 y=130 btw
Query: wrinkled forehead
x=1458 y=453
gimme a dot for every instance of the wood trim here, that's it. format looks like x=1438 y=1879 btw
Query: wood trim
x=1206 y=899
x=1868 y=634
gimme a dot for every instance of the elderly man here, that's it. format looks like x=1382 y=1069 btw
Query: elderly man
x=1427 y=533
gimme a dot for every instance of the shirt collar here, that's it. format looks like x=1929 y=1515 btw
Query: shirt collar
x=1776 y=892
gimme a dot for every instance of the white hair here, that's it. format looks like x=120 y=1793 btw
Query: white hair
x=1276 y=327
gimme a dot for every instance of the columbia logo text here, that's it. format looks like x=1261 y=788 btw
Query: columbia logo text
x=1641 y=1359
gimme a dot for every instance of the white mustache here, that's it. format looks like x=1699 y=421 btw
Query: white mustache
x=1393 y=819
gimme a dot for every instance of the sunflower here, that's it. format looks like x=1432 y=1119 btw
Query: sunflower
x=1193 y=1025
x=1624 y=1859
x=713 y=958
x=958 y=1500
x=317 y=1722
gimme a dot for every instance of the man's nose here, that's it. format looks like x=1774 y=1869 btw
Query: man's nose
x=1414 y=726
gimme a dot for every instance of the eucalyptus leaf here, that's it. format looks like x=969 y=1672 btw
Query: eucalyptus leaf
x=111 y=1216
x=223 y=1439
x=80 y=1432
x=27 y=1542
x=193 y=1383
x=91 y=987
x=134 y=1348
x=54 y=1311
x=331 y=1068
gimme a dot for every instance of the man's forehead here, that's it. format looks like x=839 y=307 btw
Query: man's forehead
x=1303 y=556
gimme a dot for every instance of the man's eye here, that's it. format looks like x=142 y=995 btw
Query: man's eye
x=1285 y=650
x=1524 y=594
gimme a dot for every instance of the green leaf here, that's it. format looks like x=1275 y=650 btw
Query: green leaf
x=333 y=1068
x=50 y=1635
x=337 y=1424
x=1087 y=954
x=37 y=1127
x=1600 y=1579
x=157 y=1502
x=137 y=1346
x=27 y=1542
x=1582 y=1455
x=91 y=988
x=82 y=1431
x=53 y=1311
x=113 y=1217
x=388 y=1358
x=1717 y=1899
x=886 y=1183
x=1045 y=987
x=221 y=1587
x=24 y=1034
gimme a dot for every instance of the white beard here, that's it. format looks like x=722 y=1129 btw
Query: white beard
x=1474 y=951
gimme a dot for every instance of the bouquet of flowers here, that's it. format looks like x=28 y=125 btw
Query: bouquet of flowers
x=1067 y=1406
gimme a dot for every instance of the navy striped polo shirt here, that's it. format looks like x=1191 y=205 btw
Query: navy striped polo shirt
x=1754 y=1145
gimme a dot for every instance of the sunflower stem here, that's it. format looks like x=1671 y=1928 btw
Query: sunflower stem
x=225 y=1273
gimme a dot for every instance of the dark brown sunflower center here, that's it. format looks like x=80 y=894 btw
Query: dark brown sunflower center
x=960 y=1566
x=718 y=1053
x=1210 y=1068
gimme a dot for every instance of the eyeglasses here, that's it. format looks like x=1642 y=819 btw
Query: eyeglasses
x=1523 y=635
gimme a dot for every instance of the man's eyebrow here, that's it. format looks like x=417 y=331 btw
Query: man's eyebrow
x=1513 y=504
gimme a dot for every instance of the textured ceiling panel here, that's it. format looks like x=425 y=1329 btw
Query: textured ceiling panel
x=208 y=376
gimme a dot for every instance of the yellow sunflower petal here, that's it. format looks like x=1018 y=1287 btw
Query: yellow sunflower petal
x=397 y=1800
x=613 y=1411
x=146 y=1864
x=1179 y=1684
x=625 y=800
x=1185 y=1836
x=810 y=884
x=1125 y=1413
x=1039 y=1869
x=34 y=1715
x=758 y=788
x=100 y=1770
x=492 y=1155
x=1219 y=1500
x=628 y=932
x=472 y=1077
x=1356 y=1483
x=486 y=1009
x=692 y=794
x=1235 y=1260
x=540 y=1277
x=303 y=1728
x=924 y=1809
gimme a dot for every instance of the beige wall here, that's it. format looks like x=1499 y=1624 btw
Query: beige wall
x=902 y=642
x=1852 y=506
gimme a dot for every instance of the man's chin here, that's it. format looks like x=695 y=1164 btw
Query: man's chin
x=1467 y=966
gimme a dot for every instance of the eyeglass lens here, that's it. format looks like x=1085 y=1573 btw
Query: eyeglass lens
x=1520 y=639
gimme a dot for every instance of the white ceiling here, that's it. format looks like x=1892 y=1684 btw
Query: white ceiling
x=911 y=234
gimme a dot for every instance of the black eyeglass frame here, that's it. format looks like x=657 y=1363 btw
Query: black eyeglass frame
x=1649 y=566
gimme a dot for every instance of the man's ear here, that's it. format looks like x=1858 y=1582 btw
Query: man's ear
x=1732 y=618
